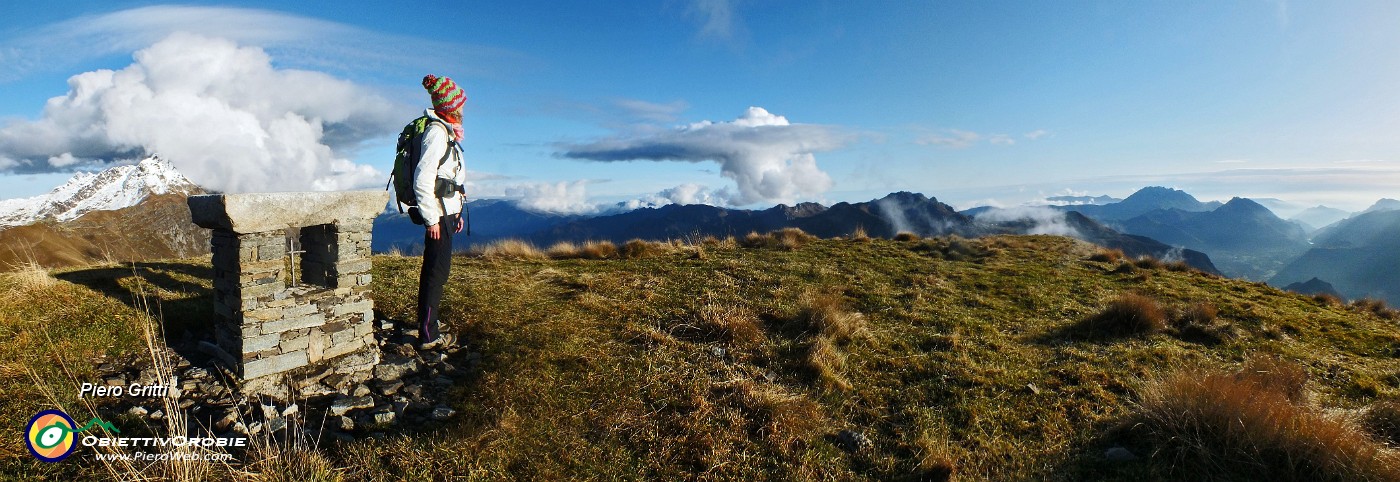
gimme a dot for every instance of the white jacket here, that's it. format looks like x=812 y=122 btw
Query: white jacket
x=435 y=144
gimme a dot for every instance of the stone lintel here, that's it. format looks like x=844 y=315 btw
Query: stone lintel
x=259 y=212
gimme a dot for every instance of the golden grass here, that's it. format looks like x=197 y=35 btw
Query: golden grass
x=1148 y=262
x=787 y=239
x=511 y=249
x=1199 y=313
x=1129 y=314
x=293 y=465
x=729 y=322
x=30 y=276
x=784 y=419
x=598 y=250
x=1325 y=299
x=638 y=248
x=828 y=364
x=1180 y=266
x=1382 y=419
x=1376 y=307
x=1254 y=425
x=859 y=234
x=825 y=313
x=562 y=250
x=1106 y=255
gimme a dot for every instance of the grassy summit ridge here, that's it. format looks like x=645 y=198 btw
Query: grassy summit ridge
x=990 y=359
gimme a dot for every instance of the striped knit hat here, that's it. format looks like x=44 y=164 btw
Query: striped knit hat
x=447 y=97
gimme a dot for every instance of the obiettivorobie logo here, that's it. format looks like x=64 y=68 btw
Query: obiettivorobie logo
x=51 y=434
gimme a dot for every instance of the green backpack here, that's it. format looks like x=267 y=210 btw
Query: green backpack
x=406 y=160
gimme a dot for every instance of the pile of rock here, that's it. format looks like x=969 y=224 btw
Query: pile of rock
x=408 y=387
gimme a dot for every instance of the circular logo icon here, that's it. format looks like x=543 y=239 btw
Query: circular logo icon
x=49 y=435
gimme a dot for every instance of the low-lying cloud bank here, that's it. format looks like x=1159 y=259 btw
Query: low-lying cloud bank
x=770 y=159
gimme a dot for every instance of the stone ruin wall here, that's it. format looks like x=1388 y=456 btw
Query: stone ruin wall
x=283 y=339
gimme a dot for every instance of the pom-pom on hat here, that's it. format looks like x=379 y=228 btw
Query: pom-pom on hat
x=447 y=97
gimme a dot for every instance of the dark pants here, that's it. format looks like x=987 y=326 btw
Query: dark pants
x=437 y=262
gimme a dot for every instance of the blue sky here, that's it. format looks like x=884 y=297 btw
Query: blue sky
x=573 y=104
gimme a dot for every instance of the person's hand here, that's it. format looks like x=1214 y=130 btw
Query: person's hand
x=434 y=232
x=460 y=223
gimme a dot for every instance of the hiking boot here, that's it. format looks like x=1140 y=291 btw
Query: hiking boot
x=443 y=341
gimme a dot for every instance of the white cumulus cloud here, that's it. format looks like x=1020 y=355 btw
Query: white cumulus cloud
x=219 y=112
x=769 y=158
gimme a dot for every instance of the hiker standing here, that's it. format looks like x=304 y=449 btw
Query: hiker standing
x=437 y=185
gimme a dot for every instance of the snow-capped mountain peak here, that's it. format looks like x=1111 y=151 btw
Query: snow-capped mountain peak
x=114 y=188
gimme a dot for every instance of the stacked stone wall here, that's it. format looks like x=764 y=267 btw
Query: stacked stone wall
x=314 y=337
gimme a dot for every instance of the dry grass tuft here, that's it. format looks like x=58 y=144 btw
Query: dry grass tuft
x=791 y=238
x=754 y=240
x=511 y=249
x=31 y=276
x=295 y=465
x=859 y=234
x=638 y=248
x=727 y=242
x=588 y=250
x=732 y=323
x=825 y=313
x=1148 y=262
x=786 y=239
x=1130 y=314
x=936 y=460
x=1382 y=419
x=1180 y=267
x=907 y=236
x=598 y=250
x=1200 y=313
x=785 y=419
x=1286 y=378
x=1324 y=299
x=1198 y=323
x=828 y=364
x=1253 y=425
x=1105 y=255
x=562 y=250
x=1376 y=307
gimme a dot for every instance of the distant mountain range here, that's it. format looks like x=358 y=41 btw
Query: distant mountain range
x=1082 y=200
x=490 y=220
x=1243 y=237
x=131 y=212
x=1360 y=256
x=1318 y=217
x=884 y=217
x=137 y=212
x=1144 y=201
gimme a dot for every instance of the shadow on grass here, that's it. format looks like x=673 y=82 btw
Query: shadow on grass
x=164 y=289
